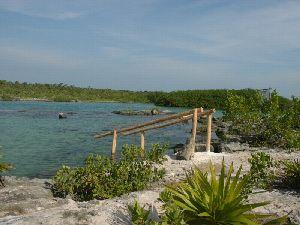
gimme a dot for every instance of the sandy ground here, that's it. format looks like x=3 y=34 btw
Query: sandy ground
x=25 y=201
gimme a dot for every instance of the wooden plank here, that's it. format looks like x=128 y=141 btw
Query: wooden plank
x=195 y=124
x=208 y=139
x=104 y=134
x=114 y=145
x=158 y=126
x=143 y=143
x=157 y=121
x=187 y=114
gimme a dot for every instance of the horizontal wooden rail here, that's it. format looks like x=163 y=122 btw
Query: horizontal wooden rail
x=183 y=115
x=173 y=122
x=194 y=114
x=146 y=124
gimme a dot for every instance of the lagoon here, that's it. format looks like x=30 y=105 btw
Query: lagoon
x=38 y=143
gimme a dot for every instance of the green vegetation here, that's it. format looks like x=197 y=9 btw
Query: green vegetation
x=196 y=98
x=139 y=215
x=267 y=173
x=65 y=93
x=3 y=167
x=204 y=199
x=290 y=176
x=261 y=171
x=102 y=178
x=263 y=122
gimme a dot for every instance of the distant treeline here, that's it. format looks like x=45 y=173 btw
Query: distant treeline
x=203 y=98
x=66 y=93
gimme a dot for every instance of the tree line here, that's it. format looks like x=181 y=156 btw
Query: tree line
x=65 y=93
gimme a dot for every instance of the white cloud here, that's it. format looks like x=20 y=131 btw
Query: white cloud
x=39 y=9
x=27 y=55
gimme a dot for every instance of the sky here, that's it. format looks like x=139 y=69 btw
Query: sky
x=152 y=44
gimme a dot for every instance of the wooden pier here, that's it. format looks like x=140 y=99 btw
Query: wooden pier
x=194 y=115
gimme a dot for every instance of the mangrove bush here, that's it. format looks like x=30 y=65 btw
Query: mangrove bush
x=262 y=122
x=102 y=178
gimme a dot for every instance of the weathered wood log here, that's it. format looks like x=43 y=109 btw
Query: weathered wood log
x=189 y=149
x=187 y=114
x=208 y=139
x=114 y=145
x=146 y=124
x=195 y=125
x=173 y=122
x=104 y=134
x=175 y=116
x=143 y=143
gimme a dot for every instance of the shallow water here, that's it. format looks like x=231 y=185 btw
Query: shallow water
x=38 y=143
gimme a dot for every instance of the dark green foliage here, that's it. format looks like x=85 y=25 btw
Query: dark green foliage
x=261 y=171
x=204 y=199
x=65 y=93
x=157 y=153
x=263 y=122
x=196 y=98
x=139 y=215
x=267 y=173
x=290 y=176
x=3 y=167
x=102 y=178
x=214 y=200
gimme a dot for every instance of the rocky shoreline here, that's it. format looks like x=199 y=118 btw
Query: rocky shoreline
x=146 y=112
x=29 y=201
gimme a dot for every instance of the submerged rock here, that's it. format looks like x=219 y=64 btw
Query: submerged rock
x=62 y=115
x=152 y=112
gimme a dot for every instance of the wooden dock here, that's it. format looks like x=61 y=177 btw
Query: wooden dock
x=194 y=115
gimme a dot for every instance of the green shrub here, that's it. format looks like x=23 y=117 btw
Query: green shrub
x=4 y=167
x=6 y=97
x=264 y=122
x=261 y=171
x=267 y=173
x=102 y=178
x=290 y=176
x=157 y=153
x=139 y=215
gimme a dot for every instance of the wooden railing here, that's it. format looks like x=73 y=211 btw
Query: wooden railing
x=193 y=115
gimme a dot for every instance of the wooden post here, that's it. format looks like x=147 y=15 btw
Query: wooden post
x=143 y=143
x=114 y=145
x=208 y=139
x=195 y=125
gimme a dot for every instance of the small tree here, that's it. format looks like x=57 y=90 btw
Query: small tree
x=263 y=122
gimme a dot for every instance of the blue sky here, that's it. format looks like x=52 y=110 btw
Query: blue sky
x=152 y=44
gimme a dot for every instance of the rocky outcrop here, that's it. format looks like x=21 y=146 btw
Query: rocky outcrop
x=29 y=201
x=150 y=112
x=62 y=115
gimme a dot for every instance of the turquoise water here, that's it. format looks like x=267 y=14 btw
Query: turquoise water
x=38 y=143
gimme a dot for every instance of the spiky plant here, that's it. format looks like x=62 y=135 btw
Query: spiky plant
x=216 y=200
x=139 y=215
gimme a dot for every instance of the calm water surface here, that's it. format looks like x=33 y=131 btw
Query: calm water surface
x=38 y=143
